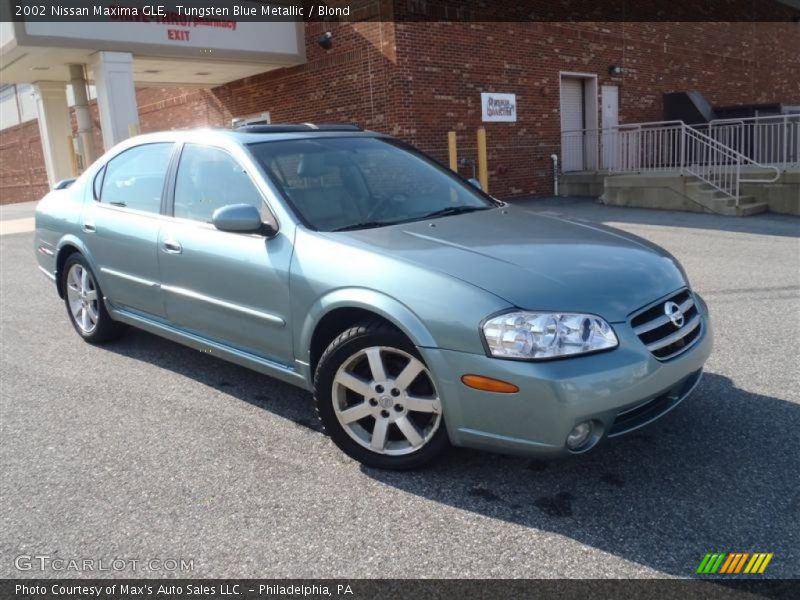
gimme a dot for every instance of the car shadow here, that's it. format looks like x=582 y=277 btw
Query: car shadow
x=282 y=399
x=588 y=208
x=717 y=474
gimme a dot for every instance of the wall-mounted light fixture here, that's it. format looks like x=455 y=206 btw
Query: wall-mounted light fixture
x=616 y=70
x=326 y=40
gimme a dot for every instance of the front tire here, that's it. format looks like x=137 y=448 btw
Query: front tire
x=377 y=399
x=86 y=307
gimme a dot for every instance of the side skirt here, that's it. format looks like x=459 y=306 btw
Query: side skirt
x=223 y=351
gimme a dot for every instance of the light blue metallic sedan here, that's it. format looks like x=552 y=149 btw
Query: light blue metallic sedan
x=418 y=309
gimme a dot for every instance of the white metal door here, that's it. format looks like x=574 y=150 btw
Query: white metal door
x=572 y=119
x=610 y=103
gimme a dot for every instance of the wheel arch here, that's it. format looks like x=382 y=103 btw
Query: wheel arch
x=338 y=310
x=68 y=245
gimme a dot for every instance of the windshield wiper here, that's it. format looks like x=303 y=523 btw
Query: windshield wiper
x=453 y=210
x=364 y=225
x=450 y=210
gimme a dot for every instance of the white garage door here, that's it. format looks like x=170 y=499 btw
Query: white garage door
x=572 y=118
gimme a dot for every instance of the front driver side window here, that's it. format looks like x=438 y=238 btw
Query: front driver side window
x=135 y=178
x=209 y=178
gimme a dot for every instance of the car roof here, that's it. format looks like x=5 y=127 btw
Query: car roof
x=245 y=136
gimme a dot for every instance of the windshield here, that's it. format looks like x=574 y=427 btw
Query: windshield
x=358 y=182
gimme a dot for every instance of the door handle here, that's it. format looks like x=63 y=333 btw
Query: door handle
x=172 y=246
x=89 y=227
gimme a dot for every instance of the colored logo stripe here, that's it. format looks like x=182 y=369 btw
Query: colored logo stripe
x=758 y=563
x=711 y=562
x=732 y=563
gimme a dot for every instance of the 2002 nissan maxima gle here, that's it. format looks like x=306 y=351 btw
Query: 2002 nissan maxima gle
x=418 y=309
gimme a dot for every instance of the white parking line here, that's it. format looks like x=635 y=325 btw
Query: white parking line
x=17 y=226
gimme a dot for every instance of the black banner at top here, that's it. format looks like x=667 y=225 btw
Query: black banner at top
x=401 y=10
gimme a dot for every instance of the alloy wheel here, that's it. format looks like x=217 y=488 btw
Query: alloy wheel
x=386 y=401
x=82 y=298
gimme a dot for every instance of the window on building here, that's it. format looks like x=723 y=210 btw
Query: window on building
x=135 y=178
x=27 y=102
x=210 y=178
x=9 y=110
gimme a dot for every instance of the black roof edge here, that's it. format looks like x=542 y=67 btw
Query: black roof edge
x=297 y=127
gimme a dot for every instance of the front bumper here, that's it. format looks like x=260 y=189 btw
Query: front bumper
x=620 y=390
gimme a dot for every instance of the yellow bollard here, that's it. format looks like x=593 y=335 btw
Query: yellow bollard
x=451 y=150
x=483 y=165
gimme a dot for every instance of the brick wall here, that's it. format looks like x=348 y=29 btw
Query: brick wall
x=352 y=82
x=449 y=64
x=22 y=173
x=420 y=80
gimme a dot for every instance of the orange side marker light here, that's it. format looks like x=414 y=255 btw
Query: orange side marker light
x=487 y=384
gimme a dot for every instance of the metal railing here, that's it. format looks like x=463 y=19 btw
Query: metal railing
x=769 y=140
x=662 y=146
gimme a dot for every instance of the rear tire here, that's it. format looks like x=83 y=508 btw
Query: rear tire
x=377 y=399
x=86 y=307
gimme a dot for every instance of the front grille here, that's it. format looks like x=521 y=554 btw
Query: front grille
x=658 y=332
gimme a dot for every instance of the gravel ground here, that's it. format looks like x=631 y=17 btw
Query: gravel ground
x=145 y=449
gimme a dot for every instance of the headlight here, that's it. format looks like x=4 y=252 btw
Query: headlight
x=535 y=335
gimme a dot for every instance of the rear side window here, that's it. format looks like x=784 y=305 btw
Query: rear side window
x=135 y=178
x=210 y=178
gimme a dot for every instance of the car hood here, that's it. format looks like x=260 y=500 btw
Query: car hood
x=536 y=261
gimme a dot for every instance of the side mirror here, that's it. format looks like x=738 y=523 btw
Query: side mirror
x=476 y=183
x=238 y=218
x=64 y=183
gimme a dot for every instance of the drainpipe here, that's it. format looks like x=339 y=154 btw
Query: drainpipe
x=464 y=162
x=82 y=114
x=554 y=158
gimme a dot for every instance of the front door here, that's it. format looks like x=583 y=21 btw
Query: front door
x=232 y=288
x=120 y=228
x=573 y=124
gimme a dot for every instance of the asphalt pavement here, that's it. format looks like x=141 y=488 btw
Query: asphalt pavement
x=144 y=449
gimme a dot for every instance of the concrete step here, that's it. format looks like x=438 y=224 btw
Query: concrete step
x=753 y=208
x=717 y=201
x=680 y=191
x=702 y=191
x=698 y=185
x=743 y=210
x=721 y=203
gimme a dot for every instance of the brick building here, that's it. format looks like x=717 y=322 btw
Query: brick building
x=419 y=80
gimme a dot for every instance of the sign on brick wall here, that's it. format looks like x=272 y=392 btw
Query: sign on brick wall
x=499 y=107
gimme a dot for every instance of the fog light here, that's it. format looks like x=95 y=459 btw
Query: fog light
x=579 y=434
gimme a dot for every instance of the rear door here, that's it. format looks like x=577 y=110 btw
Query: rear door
x=230 y=287
x=610 y=102
x=120 y=228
